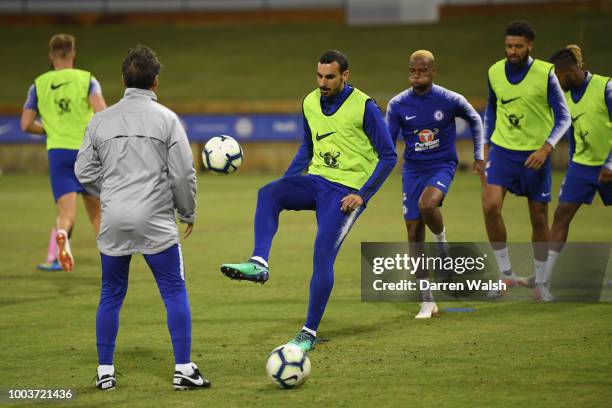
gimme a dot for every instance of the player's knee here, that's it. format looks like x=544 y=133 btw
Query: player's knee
x=324 y=257
x=113 y=296
x=491 y=209
x=266 y=191
x=413 y=235
x=562 y=216
x=428 y=206
x=539 y=220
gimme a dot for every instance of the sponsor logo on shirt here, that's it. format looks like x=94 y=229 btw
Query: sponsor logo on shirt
x=427 y=140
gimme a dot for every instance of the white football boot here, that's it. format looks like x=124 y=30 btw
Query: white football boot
x=428 y=310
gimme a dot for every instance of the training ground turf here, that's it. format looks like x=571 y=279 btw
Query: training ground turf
x=504 y=354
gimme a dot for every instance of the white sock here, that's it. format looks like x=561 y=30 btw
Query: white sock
x=426 y=295
x=105 y=370
x=260 y=260
x=550 y=265
x=503 y=260
x=441 y=242
x=186 y=369
x=540 y=271
x=441 y=237
x=313 y=332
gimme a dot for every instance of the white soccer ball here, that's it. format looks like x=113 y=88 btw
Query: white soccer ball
x=288 y=366
x=222 y=155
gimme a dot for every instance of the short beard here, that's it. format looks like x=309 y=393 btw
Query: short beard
x=520 y=63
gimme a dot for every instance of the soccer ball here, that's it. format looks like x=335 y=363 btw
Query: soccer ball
x=222 y=155
x=288 y=366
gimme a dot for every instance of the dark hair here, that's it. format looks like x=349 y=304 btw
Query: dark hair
x=140 y=67
x=570 y=55
x=335 y=56
x=520 y=28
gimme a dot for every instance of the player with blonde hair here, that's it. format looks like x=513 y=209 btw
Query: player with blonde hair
x=425 y=115
x=65 y=98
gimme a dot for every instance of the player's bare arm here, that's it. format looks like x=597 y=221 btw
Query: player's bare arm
x=97 y=102
x=29 y=123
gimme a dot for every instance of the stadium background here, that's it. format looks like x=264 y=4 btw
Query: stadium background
x=240 y=59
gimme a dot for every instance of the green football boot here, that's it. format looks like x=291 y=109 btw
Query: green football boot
x=249 y=271
x=304 y=340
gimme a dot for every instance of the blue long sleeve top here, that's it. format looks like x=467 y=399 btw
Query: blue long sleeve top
x=427 y=124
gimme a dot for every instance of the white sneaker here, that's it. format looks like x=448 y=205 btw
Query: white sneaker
x=428 y=310
x=542 y=294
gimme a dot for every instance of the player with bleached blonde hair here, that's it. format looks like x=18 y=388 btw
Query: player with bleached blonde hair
x=424 y=115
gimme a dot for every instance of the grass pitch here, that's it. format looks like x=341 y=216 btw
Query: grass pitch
x=503 y=354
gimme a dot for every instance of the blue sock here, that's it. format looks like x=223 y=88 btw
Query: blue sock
x=115 y=271
x=168 y=269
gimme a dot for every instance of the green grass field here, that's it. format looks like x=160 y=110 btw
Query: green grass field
x=504 y=354
x=270 y=62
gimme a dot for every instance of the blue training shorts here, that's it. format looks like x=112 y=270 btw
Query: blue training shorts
x=506 y=168
x=414 y=183
x=61 y=172
x=581 y=184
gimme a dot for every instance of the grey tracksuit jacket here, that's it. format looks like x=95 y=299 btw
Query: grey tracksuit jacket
x=136 y=158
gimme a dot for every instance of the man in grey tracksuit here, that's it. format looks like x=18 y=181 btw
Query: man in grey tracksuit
x=136 y=158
